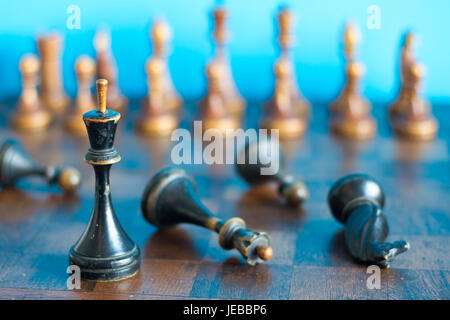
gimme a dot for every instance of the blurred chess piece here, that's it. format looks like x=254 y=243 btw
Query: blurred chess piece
x=353 y=120
x=415 y=120
x=282 y=112
x=161 y=35
x=233 y=101
x=84 y=101
x=107 y=69
x=155 y=119
x=30 y=114
x=215 y=114
x=286 y=41
x=51 y=84
x=407 y=60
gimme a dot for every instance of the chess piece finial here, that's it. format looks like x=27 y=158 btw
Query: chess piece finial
x=215 y=113
x=285 y=36
x=155 y=119
x=258 y=170
x=104 y=251
x=357 y=201
x=160 y=34
x=351 y=40
x=84 y=101
x=220 y=33
x=107 y=69
x=171 y=198
x=16 y=164
x=282 y=112
x=415 y=121
x=51 y=84
x=30 y=114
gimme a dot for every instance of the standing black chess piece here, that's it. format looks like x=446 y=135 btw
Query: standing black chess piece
x=357 y=201
x=16 y=164
x=104 y=252
x=262 y=161
x=171 y=198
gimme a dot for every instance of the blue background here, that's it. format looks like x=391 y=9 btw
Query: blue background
x=318 y=29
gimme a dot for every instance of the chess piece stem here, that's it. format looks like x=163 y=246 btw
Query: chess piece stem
x=104 y=252
x=357 y=201
x=16 y=164
x=171 y=198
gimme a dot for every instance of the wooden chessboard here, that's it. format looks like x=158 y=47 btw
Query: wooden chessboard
x=37 y=227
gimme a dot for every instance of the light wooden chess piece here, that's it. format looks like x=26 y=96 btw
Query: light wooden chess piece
x=84 y=101
x=216 y=116
x=30 y=113
x=233 y=101
x=286 y=42
x=353 y=120
x=415 y=121
x=351 y=39
x=282 y=113
x=155 y=119
x=107 y=69
x=407 y=60
x=160 y=35
x=51 y=84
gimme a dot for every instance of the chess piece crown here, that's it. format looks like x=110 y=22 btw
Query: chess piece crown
x=357 y=201
x=170 y=197
x=104 y=251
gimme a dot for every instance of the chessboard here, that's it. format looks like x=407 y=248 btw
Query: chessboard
x=38 y=225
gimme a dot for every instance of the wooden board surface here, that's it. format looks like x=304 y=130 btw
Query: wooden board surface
x=38 y=225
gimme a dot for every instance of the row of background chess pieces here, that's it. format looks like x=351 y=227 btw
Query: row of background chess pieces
x=222 y=107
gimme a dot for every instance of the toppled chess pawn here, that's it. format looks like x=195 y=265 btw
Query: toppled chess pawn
x=357 y=201
x=104 y=251
x=161 y=35
x=85 y=72
x=233 y=101
x=16 y=164
x=170 y=198
x=282 y=113
x=215 y=114
x=155 y=119
x=30 y=114
x=51 y=84
x=415 y=120
x=353 y=120
x=107 y=69
x=261 y=162
x=286 y=41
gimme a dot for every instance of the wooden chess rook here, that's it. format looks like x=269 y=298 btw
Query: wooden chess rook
x=293 y=192
x=104 y=252
x=171 y=198
x=357 y=201
x=16 y=164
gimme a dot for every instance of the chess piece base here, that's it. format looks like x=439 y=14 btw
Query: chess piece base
x=221 y=124
x=30 y=122
x=158 y=125
x=359 y=129
x=423 y=129
x=289 y=128
x=107 y=269
x=235 y=107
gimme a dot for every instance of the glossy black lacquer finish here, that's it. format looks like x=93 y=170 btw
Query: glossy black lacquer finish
x=170 y=198
x=104 y=251
x=262 y=161
x=357 y=201
x=16 y=164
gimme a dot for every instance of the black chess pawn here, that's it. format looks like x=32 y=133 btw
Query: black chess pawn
x=16 y=164
x=104 y=252
x=357 y=201
x=171 y=198
x=262 y=161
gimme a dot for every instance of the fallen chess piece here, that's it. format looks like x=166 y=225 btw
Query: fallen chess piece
x=357 y=200
x=15 y=165
x=171 y=198
x=294 y=192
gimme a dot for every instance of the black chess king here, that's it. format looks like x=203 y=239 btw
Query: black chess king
x=104 y=252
